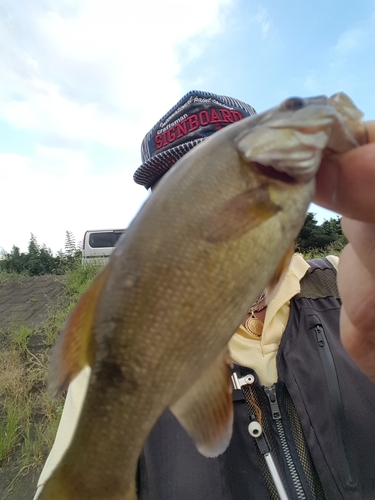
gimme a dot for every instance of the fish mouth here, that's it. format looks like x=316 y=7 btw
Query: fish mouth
x=271 y=172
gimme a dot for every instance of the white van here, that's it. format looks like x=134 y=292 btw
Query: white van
x=98 y=245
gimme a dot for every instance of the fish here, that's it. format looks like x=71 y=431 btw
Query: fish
x=154 y=326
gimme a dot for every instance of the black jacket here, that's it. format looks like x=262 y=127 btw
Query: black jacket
x=318 y=421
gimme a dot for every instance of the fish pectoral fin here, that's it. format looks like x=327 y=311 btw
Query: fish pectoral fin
x=206 y=409
x=75 y=346
x=240 y=215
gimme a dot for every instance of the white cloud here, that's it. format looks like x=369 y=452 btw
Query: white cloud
x=311 y=84
x=89 y=73
x=20 y=114
x=61 y=162
x=262 y=18
x=54 y=193
x=350 y=41
x=98 y=68
x=352 y=45
x=345 y=65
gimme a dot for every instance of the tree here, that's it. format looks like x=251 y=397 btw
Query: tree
x=312 y=236
x=70 y=244
x=14 y=261
x=332 y=228
x=40 y=260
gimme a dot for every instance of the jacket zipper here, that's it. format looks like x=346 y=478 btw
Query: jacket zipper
x=276 y=415
x=334 y=393
x=255 y=429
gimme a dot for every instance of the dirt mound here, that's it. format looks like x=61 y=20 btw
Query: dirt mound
x=27 y=300
x=24 y=301
x=19 y=487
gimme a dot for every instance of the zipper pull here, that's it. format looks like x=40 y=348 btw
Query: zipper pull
x=271 y=394
x=319 y=335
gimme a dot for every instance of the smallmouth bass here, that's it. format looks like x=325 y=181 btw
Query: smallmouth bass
x=155 y=324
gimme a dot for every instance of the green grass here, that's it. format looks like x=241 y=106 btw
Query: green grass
x=6 y=277
x=78 y=280
x=39 y=436
x=10 y=430
x=20 y=336
x=28 y=416
x=333 y=249
x=76 y=283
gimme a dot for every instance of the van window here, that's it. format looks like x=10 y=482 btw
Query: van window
x=104 y=240
x=98 y=245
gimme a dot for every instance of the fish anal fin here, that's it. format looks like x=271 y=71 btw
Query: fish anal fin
x=206 y=409
x=75 y=346
x=240 y=215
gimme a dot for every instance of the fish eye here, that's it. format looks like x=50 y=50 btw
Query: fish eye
x=294 y=103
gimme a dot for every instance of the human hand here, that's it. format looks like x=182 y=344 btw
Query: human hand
x=346 y=184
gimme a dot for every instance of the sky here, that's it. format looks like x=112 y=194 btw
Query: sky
x=82 y=82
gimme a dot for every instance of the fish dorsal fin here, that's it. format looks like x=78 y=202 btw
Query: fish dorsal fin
x=75 y=346
x=239 y=215
x=206 y=409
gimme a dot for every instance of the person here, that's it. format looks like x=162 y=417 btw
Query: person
x=345 y=184
x=303 y=410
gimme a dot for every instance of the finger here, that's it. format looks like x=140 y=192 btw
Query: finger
x=357 y=322
x=340 y=177
x=362 y=238
x=356 y=286
x=360 y=348
x=370 y=125
x=346 y=183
